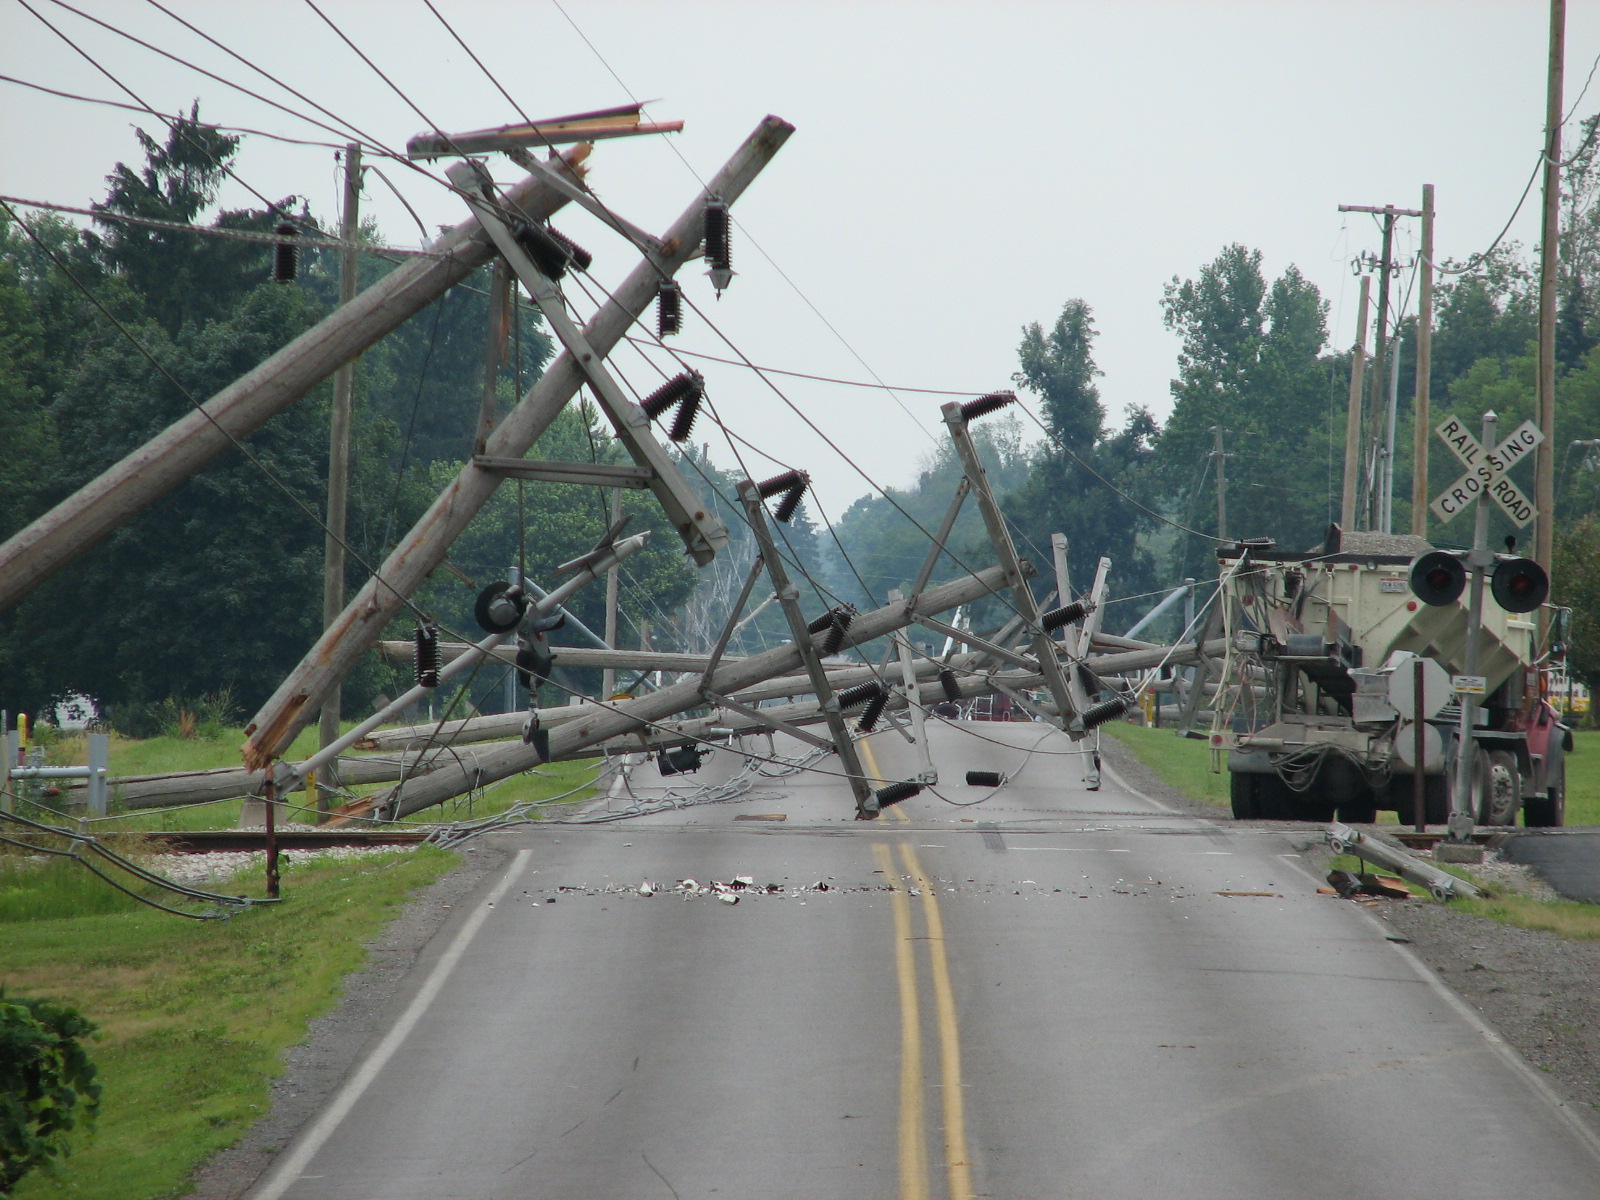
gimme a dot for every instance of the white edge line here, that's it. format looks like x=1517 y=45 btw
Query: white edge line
x=286 y=1171
x=1504 y=1049
x=1507 y=1052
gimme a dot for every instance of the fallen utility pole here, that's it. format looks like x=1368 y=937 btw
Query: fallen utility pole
x=285 y=713
x=1062 y=684
x=604 y=722
x=129 y=487
x=789 y=601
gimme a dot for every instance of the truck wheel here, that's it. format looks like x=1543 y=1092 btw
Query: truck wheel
x=1242 y=792
x=1549 y=811
x=1497 y=788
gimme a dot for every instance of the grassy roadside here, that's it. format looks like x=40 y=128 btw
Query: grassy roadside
x=195 y=1015
x=1184 y=764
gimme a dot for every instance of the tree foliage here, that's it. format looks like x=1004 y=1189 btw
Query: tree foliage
x=48 y=1085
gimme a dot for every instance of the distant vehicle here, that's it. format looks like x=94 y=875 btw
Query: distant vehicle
x=1315 y=697
x=996 y=706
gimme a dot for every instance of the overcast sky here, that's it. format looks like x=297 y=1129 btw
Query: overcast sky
x=958 y=170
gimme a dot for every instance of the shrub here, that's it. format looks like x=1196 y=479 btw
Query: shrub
x=47 y=1085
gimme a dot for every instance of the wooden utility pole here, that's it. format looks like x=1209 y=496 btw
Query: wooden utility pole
x=1222 y=482
x=361 y=623
x=1352 y=420
x=1367 y=506
x=1420 y=434
x=1544 y=462
x=339 y=448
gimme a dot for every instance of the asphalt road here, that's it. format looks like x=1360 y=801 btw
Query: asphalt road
x=1051 y=993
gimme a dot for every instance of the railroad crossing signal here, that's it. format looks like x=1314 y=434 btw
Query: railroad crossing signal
x=1486 y=470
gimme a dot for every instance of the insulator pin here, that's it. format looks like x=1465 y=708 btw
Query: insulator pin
x=871 y=713
x=669 y=308
x=1067 y=614
x=793 y=485
x=286 y=256
x=896 y=792
x=427 y=643
x=984 y=405
x=1108 y=710
x=860 y=694
x=948 y=682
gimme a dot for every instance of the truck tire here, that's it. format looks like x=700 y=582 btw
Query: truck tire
x=1550 y=810
x=1497 y=788
x=1242 y=793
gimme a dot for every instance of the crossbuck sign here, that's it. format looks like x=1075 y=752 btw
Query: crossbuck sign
x=1486 y=470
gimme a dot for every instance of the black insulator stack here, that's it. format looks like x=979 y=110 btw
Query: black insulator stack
x=549 y=255
x=427 y=641
x=719 y=252
x=286 y=257
x=669 y=309
x=896 y=792
x=985 y=779
x=1067 y=614
x=860 y=694
x=818 y=624
x=952 y=688
x=683 y=422
x=873 y=710
x=984 y=405
x=576 y=254
x=834 y=642
x=673 y=391
x=793 y=485
x=1108 y=710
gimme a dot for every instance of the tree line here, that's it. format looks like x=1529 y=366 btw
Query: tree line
x=216 y=589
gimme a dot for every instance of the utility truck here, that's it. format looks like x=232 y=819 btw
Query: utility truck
x=1317 y=703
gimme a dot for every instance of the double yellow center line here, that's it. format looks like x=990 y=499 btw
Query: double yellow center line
x=914 y=1182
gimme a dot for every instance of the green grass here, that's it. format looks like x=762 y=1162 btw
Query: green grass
x=1583 y=779
x=195 y=1016
x=1183 y=764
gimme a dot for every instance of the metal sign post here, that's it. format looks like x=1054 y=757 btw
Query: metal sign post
x=1485 y=477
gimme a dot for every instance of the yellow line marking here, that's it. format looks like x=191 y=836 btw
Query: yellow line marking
x=877 y=776
x=955 y=1118
x=913 y=1139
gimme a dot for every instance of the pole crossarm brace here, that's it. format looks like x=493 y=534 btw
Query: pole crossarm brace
x=603 y=722
x=703 y=532
x=756 y=514
x=597 y=474
x=1063 y=685
x=422 y=550
x=1386 y=210
x=992 y=649
x=770 y=720
x=127 y=488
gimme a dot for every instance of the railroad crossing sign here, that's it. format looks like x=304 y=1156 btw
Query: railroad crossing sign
x=1486 y=470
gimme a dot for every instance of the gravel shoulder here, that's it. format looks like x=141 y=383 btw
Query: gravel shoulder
x=1540 y=992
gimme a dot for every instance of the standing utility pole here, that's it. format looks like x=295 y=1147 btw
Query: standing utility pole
x=339 y=446
x=1369 y=507
x=1419 y=434
x=1544 y=462
x=1222 y=482
x=1352 y=422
